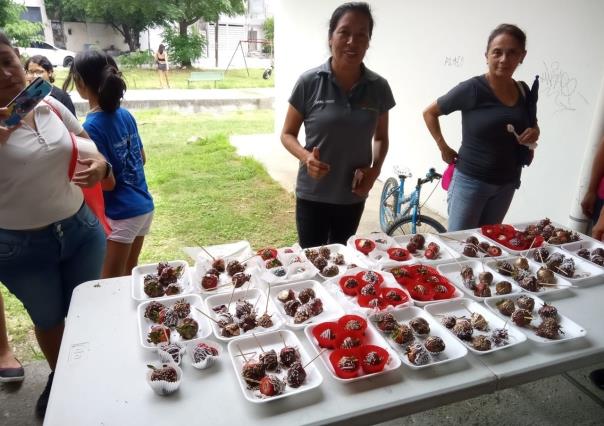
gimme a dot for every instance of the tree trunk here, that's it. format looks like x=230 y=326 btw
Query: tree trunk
x=216 y=40
x=183 y=26
x=131 y=37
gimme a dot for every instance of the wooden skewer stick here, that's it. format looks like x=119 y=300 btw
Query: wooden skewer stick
x=528 y=249
x=207 y=316
x=246 y=353
x=268 y=292
x=241 y=353
x=282 y=339
x=207 y=252
x=317 y=356
x=258 y=342
x=231 y=299
x=248 y=259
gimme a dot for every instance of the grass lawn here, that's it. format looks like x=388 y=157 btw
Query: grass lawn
x=149 y=79
x=204 y=193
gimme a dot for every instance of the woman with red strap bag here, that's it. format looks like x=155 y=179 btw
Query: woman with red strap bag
x=50 y=241
x=129 y=206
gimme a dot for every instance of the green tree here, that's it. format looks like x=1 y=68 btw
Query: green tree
x=187 y=12
x=22 y=32
x=184 y=49
x=268 y=27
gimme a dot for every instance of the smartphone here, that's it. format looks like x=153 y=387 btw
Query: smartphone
x=26 y=101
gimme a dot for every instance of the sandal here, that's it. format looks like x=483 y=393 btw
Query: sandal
x=12 y=374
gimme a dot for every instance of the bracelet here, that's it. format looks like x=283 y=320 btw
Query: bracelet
x=108 y=169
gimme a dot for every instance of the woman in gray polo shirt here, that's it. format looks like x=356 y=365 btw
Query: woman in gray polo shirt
x=490 y=160
x=344 y=107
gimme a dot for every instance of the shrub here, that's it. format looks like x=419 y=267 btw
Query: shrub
x=135 y=59
x=183 y=50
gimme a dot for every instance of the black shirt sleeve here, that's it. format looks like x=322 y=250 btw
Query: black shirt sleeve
x=461 y=97
x=64 y=98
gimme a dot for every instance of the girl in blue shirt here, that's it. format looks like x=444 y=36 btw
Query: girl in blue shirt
x=129 y=206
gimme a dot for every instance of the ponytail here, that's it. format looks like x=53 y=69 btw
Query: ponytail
x=99 y=73
x=111 y=90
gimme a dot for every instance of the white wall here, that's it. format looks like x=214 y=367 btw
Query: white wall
x=84 y=33
x=425 y=48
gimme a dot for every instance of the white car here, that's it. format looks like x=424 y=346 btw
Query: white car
x=56 y=56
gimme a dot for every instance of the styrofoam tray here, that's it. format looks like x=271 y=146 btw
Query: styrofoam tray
x=457 y=295
x=144 y=324
x=445 y=254
x=350 y=259
x=225 y=283
x=451 y=271
x=585 y=271
x=349 y=303
x=522 y=226
x=586 y=244
x=331 y=308
x=372 y=337
x=453 y=348
x=571 y=329
x=296 y=266
x=563 y=283
x=378 y=258
x=139 y=272
x=465 y=308
x=461 y=236
x=253 y=296
x=272 y=340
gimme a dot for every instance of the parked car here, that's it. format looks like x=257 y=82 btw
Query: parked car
x=58 y=57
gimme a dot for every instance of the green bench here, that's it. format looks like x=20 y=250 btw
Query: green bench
x=205 y=76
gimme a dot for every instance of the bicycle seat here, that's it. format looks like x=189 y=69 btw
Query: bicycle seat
x=402 y=171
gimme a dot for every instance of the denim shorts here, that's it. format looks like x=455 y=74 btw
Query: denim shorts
x=42 y=267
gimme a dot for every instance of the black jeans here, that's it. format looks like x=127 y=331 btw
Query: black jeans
x=324 y=223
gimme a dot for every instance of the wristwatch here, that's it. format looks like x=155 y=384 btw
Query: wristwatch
x=108 y=169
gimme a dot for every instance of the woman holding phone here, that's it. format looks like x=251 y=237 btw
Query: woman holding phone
x=50 y=242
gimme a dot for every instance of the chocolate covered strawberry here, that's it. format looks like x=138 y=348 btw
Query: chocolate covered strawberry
x=187 y=328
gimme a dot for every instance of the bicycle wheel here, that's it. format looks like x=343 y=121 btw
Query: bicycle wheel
x=425 y=224
x=388 y=203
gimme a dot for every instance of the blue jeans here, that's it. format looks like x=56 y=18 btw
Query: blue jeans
x=473 y=203
x=41 y=268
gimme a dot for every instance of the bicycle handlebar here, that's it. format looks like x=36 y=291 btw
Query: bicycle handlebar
x=430 y=176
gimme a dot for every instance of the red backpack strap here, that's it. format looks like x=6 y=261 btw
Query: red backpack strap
x=74 y=147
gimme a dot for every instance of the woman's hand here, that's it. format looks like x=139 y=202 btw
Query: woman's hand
x=598 y=230
x=530 y=135
x=88 y=177
x=5 y=132
x=369 y=176
x=448 y=154
x=588 y=203
x=316 y=168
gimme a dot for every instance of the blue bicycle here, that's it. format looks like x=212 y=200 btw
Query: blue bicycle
x=400 y=214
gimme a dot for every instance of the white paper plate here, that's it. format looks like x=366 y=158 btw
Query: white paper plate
x=563 y=283
x=465 y=308
x=378 y=255
x=331 y=309
x=585 y=272
x=586 y=244
x=571 y=329
x=144 y=324
x=350 y=259
x=461 y=236
x=297 y=268
x=453 y=348
x=451 y=271
x=273 y=340
x=139 y=272
x=203 y=264
x=444 y=255
x=349 y=303
x=372 y=337
x=254 y=296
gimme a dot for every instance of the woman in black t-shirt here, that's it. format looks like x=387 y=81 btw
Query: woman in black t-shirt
x=489 y=162
x=40 y=66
